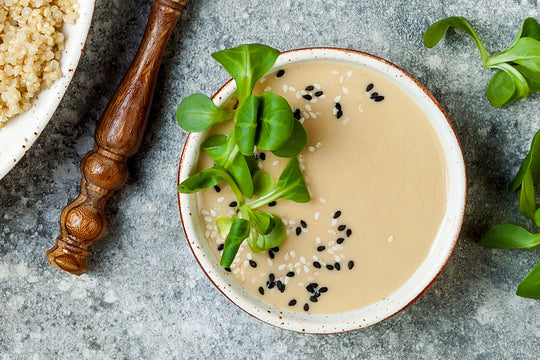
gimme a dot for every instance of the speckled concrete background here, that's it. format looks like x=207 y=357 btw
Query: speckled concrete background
x=146 y=298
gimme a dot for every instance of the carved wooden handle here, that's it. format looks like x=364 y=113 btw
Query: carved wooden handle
x=118 y=136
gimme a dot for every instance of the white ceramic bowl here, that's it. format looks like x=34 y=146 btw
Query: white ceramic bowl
x=20 y=132
x=426 y=274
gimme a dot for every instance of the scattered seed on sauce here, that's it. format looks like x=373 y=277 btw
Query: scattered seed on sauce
x=341 y=227
x=307 y=97
x=350 y=264
x=374 y=95
x=233 y=204
x=220 y=247
x=311 y=287
x=338 y=106
x=262 y=156
x=303 y=223
x=349 y=232
x=340 y=240
x=336 y=214
x=290 y=274
x=321 y=248
x=228 y=269
x=317 y=264
x=280 y=73
x=323 y=289
x=272 y=203
x=310 y=88
x=217 y=188
x=330 y=267
x=292 y=302
x=369 y=87
x=280 y=286
x=275 y=249
x=337 y=266
x=298 y=231
x=261 y=290
x=379 y=98
x=313 y=299
x=318 y=93
x=306 y=307
x=297 y=114
x=252 y=263
x=271 y=254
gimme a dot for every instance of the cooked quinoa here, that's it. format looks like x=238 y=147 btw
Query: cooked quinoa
x=31 y=44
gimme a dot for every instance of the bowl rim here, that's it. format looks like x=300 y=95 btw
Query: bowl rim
x=21 y=131
x=315 y=324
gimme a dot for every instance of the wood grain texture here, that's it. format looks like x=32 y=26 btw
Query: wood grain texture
x=118 y=136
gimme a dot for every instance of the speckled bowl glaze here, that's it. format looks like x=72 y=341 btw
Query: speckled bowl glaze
x=425 y=275
x=21 y=132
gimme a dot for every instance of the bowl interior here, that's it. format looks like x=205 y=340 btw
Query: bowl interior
x=20 y=132
x=440 y=250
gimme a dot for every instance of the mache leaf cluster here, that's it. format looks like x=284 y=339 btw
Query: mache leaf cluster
x=518 y=66
x=264 y=122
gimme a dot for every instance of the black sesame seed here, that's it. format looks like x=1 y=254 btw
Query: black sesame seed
x=323 y=289
x=379 y=98
x=280 y=286
x=339 y=114
x=321 y=248
x=217 y=188
x=271 y=277
x=336 y=214
x=330 y=267
x=298 y=231
x=280 y=73
x=317 y=294
x=350 y=264
x=349 y=232
x=262 y=156
x=315 y=285
x=317 y=264
x=337 y=266
x=275 y=249
x=313 y=299
x=310 y=88
x=340 y=240
x=374 y=95
x=307 y=97
x=220 y=247
x=290 y=274
x=252 y=263
x=310 y=289
x=341 y=227
x=272 y=203
x=292 y=302
x=338 y=106
x=270 y=284
x=369 y=87
x=306 y=307
x=296 y=114
x=261 y=290
x=233 y=204
x=271 y=254
x=303 y=223
x=318 y=93
x=228 y=269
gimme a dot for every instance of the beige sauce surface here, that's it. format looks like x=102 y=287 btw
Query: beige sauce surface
x=380 y=164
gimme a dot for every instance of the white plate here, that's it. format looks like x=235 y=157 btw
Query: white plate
x=20 y=132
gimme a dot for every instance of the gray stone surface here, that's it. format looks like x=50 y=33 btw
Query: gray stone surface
x=146 y=298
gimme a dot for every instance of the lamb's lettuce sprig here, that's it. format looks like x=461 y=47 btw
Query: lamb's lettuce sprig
x=264 y=122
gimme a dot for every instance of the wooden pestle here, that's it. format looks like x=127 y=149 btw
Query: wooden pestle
x=118 y=136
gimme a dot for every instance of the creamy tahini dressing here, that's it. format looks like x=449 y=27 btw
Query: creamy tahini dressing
x=380 y=165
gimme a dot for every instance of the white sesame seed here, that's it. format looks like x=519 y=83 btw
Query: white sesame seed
x=291 y=88
x=249 y=256
x=345 y=121
x=323 y=96
x=318 y=240
x=360 y=108
x=292 y=222
x=286 y=257
x=236 y=271
x=335 y=72
x=290 y=267
x=301 y=121
x=282 y=266
x=298 y=95
x=302 y=259
x=298 y=264
x=345 y=90
x=330 y=251
x=334 y=221
x=275 y=163
x=315 y=257
x=285 y=87
x=246 y=264
x=268 y=88
x=213 y=234
x=207 y=233
x=332 y=232
x=314 y=100
x=316 y=273
x=337 y=258
x=316 y=216
x=269 y=262
x=311 y=148
x=301 y=284
x=213 y=212
x=303 y=167
x=317 y=86
x=334 y=111
x=209 y=227
x=293 y=254
x=262 y=80
x=390 y=239
x=322 y=200
x=349 y=73
x=331 y=242
x=341 y=78
x=207 y=218
x=342 y=256
x=337 y=247
x=204 y=212
x=308 y=107
x=286 y=280
x=337 y=98
x=319 y=144
x=312 y=114
x=306 y=269
x=310 y=279
x=220 y=199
